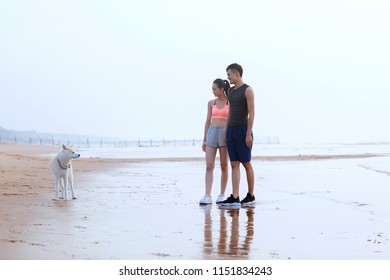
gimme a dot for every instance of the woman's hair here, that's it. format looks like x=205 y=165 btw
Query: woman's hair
x=222 y=84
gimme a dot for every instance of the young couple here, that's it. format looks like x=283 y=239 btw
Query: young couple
x=228 y=129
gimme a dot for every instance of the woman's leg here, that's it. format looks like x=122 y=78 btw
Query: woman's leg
x=210 y=162
x=224 y=162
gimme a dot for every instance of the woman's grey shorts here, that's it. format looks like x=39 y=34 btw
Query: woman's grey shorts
x=216 y=136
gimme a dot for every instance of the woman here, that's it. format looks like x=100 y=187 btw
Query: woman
x=215 y=138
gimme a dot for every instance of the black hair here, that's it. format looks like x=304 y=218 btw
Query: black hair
x=235 y=67
x=222 y=84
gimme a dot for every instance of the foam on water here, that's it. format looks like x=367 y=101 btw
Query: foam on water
x=195 y=151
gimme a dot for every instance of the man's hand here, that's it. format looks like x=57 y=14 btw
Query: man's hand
x=248 y=140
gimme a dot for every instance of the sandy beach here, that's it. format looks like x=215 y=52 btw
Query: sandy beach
x=310 y=207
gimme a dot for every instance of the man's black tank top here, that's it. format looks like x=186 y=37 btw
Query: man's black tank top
x=238 y=114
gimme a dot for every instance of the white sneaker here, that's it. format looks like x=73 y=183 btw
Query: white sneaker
x=206 y=200
x=220 y=198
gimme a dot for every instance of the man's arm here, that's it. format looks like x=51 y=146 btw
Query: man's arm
x=250 y=99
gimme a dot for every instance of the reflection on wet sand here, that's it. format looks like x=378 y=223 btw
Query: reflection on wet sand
x=234 y=236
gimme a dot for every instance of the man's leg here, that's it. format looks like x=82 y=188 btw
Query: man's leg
x=233 y=200
x=236 y=178
x=250 y=176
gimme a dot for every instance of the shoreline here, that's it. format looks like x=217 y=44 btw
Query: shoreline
x=30 y=150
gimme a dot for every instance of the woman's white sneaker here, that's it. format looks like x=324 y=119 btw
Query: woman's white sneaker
x=206 y=200
x=220 y=198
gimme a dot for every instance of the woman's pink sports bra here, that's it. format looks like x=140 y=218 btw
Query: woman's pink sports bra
x=217 y=113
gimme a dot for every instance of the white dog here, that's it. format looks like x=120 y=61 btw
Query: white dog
x=61 y=167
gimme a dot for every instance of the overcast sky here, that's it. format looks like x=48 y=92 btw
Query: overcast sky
x=320 y=70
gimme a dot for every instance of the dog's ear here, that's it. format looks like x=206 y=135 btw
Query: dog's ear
x=63 y=147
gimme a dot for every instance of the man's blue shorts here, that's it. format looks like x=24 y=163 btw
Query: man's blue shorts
x=235 y=142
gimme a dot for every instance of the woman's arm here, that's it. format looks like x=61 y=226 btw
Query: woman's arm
x=207 y=123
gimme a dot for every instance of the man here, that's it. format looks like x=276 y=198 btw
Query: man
x=239 y=136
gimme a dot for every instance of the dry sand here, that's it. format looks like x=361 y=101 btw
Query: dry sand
x=308 y=207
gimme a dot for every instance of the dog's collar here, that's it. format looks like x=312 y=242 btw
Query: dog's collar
x=61 y=165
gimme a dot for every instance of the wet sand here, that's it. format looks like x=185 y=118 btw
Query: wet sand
x=308 y=207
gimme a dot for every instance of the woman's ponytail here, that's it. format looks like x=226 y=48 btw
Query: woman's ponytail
x=223 y=84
